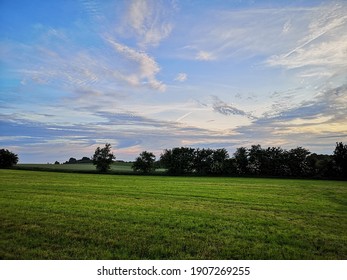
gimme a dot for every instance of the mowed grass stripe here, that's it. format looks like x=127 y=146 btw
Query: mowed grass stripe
x=88 y=216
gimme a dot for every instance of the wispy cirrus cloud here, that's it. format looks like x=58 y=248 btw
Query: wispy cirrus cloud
x=322 y=118
x=57 y=61
x=147 y=66
x=323 y=45
x=149 y=21
x=205 y=56
x=127 y=132
x=93 y=8
x=181 y=77
x=278 y=34
x=307 y=42
x=223 y=108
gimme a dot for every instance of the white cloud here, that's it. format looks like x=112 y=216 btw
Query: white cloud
x=138 y=10
x=286 y=27
x=181 y=77
x=313 y=124
x=72 y=68
x=324 y=44
x=239 y=33
x=148 y=21
x=266 y=32
x=148 y=68
x=332 y=53
x=205 y=56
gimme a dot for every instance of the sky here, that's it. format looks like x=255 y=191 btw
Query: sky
x=157 y=74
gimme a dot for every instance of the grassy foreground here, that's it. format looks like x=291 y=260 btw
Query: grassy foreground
x=45 y=215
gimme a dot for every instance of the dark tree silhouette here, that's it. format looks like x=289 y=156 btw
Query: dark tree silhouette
x=7 y=158
x=103 y=157
x=297 y=161
x=241 y=159
x=144 y=163
x=203 y=160
x=340 y=158
x=178 y=160
x=208 y=161
x=256 y=159
x=272 y=161
x=219 y=158
x=321 y=165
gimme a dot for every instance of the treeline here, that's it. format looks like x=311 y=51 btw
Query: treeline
x=255 y=161
x=82 y=160
x=74 y=161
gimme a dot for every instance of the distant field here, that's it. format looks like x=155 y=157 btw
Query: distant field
x=118 y=166
x=45 y=215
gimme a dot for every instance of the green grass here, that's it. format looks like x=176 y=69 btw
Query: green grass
x=45 y=215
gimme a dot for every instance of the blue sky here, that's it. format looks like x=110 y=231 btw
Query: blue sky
x=150 y=75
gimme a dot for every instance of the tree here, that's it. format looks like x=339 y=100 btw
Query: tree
x=84 y=160
x=340 y=158
x=144 y=163
x=203 y=160
x=230 y=167
x=103 y=157
x=256 y=158
x=7 y=159
x=297 y=161
x=241 y=159
x=219 y=157
x=178 y=160
x=321 y=165
x=72 y=161
x=275 y=162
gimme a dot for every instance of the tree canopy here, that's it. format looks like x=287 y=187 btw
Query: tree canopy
x=144 y=163
x=103 y=157
x=178 y=161
x=7 y=158
x=340 y=158
x=270 y=161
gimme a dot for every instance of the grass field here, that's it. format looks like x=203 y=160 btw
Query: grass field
x=47 y=215
x=117 y=167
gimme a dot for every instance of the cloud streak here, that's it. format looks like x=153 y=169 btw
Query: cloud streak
x=148 y=21
x=127 y=132
x=74 y=68
x=223 y=108
x=148 y=68
x=295 y=31
x=322 y=118
x=181 y=77
x=205 y=56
